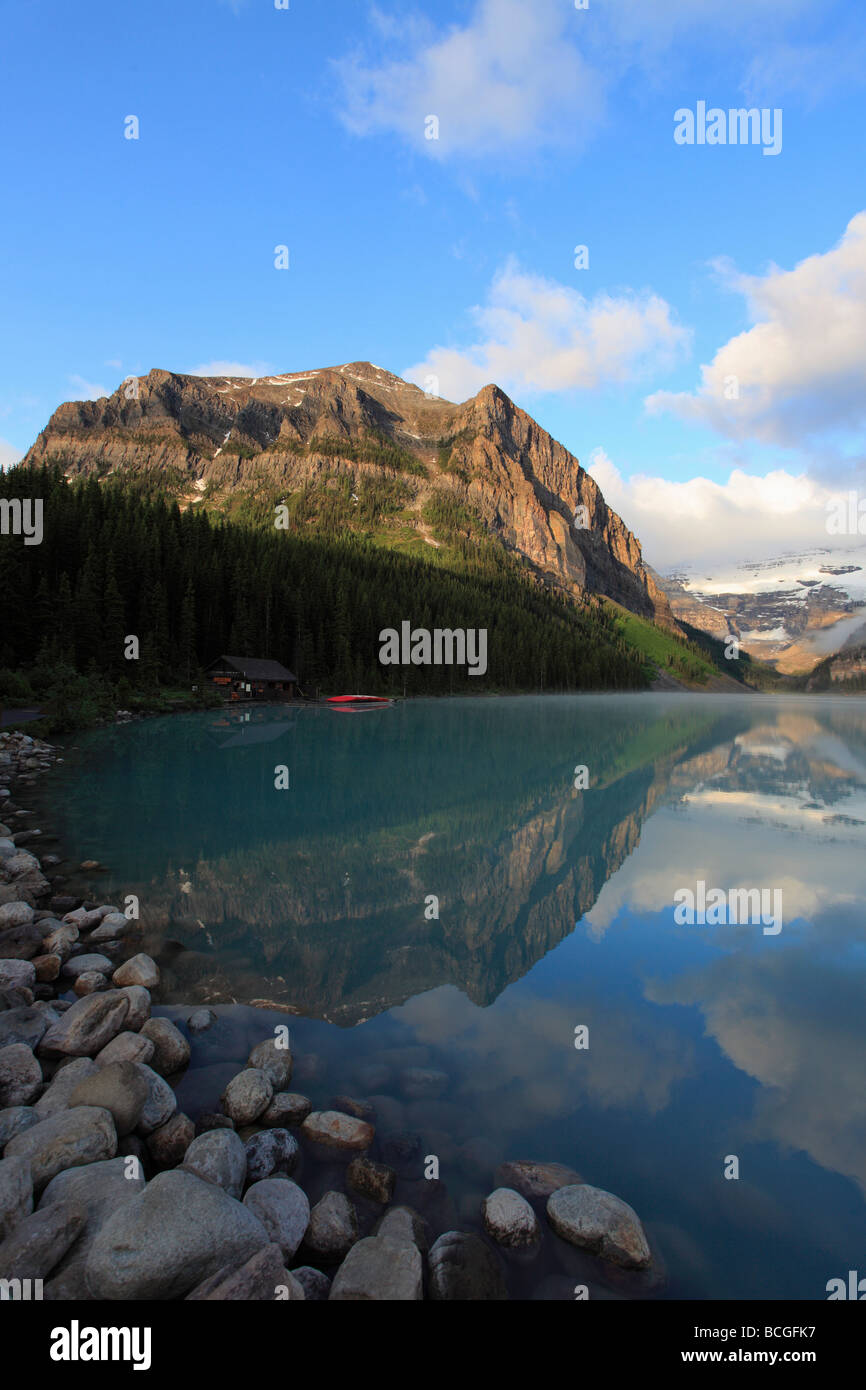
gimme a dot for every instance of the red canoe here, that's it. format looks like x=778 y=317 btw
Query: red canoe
x=358 y=700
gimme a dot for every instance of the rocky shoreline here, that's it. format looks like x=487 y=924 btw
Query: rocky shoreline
x=109 y=1190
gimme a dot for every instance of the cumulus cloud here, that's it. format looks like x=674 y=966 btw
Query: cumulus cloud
x=511 y=77
x=538 y=335
x=225 y=368
x=702 y=520
x=797 y=374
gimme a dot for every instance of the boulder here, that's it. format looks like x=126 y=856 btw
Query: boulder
x=119 y=1088
x=24 y=1025
x=333 y=1227
x=89 y=962
x=168 y=1144
x=286 y=1108
x=83 y=1030
x=200 y=1020
x=90 y=982
x=15 y=915
x=463 y=1267
x=56 y=1096
x=170 y=1238
x=247 y=1096
x=126 y=1047
x=373 y=1180
x=283 y=1209
x=16 y=1192
x=14 y=1120
x=376 y=1271
x=161 y=1102
x=65 y=1140
x=139 y=1006
x=331 y=1129
x=509 y=1219
x=600 y=1223
x=113 y=926
x=315 y=1284
x=533 y=1180
x=403 y=1226
x=270 y=1151
x=17 y=974
x=138 y=970
x=255 y=1279
x=46 y=968
x=20 y=943
x=20 y=1075
x=274 y=1061
x=40 y=1241
x=218 y=1156
x=171 y=1051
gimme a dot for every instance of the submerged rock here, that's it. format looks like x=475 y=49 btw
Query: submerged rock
x=334 y=1130
x=462 y=1267
x=373 y=1180
x=333 y=1227
x=286 y=1108
x=534 y=1180
x=270 y=1151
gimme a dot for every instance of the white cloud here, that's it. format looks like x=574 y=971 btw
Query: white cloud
x=88 y=390
x=799 y=369
x=701 y=520
x=526 y=75
x=8 y=454
x=224 y=368
x=511 y=77
x=539 y=335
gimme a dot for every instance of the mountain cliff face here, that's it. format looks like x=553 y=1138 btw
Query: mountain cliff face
x=207 y=439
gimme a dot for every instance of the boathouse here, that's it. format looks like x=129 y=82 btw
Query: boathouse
x=251 y=678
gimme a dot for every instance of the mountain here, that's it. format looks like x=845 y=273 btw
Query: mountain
x=790 y=610
x=317 y=438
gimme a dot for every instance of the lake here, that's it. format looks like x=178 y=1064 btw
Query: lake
x=433 y=890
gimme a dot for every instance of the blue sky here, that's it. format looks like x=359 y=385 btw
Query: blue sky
x=307 y=126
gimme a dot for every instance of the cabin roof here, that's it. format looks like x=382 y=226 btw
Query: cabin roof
x=255 y=668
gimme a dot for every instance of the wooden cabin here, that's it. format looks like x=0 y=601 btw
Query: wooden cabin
x=251 y=678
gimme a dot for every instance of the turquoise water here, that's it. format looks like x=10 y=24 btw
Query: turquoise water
x=555 y=911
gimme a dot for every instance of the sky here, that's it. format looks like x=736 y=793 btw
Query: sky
x=432 y=170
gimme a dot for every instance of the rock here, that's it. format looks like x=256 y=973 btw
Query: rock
x=119 y=1088
x=160 y=1104
x=361 y=1109
x=479 y=1157
x=537 y=1181
x=60 y=941
x=286 y=1108
x=403 y=1226
x=101 y=1188
x=139 y=1006
x=168 y=1144
x=89 y=961
x=200 y=1020
x=17 y=974
x=333 y=1227
x=62 y=902
x=56 y=1096
x=422 y=1083
x=274 y=1061
x=15 y=915
x=138 y=970
x=20 y=1075
x=333 y=1130
x=65 y=1140
x=255 y=1279
x=15 y=1120
x=46 y=968
x=315 y=1284
x=171 y=1049
x=90 y=865
x=83 y=919
x=247 y=1096
x=509 y=1219
x=218 y=1156
x=373 y=1180
x=170 y=1238
x=462 y=1267
x=600 y=1223
x=212 y=1119
x=126 y=1047
x=90 y=982
x=40 y=1241
x=113 y=926
x=16 y=1192
x=270 y=1151
x=376 y=1271
x=86 y=1028
x=282 y=1208
x=20 y=943
x=23 y=1025
x=401 y=1150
